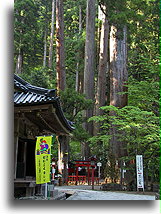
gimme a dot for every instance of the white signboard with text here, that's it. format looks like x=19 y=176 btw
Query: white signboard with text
x=139 y=170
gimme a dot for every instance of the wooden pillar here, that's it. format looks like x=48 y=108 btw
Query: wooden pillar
x=65 y=142
x=16 y=136
x=59 y=156
x=24 y=157
x=88 y=176
x=92 y=178
x=63 y=157
x=77 y=175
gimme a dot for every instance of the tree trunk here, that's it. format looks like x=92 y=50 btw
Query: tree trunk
x=118 y=69
x=118 y=79
x=51 y=35
x=63 y=148
x=60 y=55
x=65 y=159
x=77 y=76
x=89 y=63
x=77 y=69
x=19 y=62
x=45 y=48
x=81 y=82
x=102 y=70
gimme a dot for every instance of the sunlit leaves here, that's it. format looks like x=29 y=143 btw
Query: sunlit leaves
x=138 y=128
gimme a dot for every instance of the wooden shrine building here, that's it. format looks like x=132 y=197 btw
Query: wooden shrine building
x=37 y=112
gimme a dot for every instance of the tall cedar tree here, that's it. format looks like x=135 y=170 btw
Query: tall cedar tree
x=89 y=68
x=51 y=35
x=118 y=79
x=102 y=68
x=61 y=80
x=60 y=55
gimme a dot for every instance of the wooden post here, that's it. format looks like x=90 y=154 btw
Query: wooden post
x=93 y=178
x=77 y=175
x=65 y=142
x=46 y=190
x=53 y=171
x=16 y=135
x=88 y=176
x=63 y=157
x=59 y=157
x=24 y=157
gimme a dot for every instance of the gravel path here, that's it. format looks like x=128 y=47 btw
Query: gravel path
x=83 y=193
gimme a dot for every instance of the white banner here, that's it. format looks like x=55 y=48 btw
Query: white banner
x=139 y=170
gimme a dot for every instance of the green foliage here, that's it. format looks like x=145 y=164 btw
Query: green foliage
x=75 y=150
x=144 y=40
x=116 y=11
x=111 y=170
x=144 y=94
x=74 y=102
x=38 y=76
x=139 y=121
x=79 y=133
x=74 y=40
x=139 y=129
x=73 y=105
x=26 y=29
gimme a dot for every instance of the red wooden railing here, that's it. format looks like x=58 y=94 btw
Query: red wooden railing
x=73 y=179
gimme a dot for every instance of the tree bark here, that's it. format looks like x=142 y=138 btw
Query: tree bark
x=63 y=148
x=118 y=69
x=89 y=63
x=45 y=47
x=102 y=70
x=81 y=82
x=19 y=62
x=77 y=69
x=77 y=75
x=60 y=55
x=51 y=35
x=118 y=79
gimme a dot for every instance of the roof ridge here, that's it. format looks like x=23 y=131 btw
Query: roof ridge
x=25 y=86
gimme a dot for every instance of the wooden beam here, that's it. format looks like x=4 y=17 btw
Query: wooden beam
x=61 y=125
x=56 y=119
x=33 y=108
x=28 y=121
x=39 y=109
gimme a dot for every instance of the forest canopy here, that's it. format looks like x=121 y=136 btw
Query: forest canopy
x=103 y=59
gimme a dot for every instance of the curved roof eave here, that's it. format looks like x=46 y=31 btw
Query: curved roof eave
x=23 y=85
x=33 y=95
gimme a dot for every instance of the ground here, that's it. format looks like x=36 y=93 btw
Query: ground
x=86 y=193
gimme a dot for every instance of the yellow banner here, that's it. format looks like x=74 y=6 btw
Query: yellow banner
x=42 y=158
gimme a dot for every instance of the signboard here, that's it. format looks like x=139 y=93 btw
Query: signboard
x=99 y=164
x=139 y=170
x=43 y=159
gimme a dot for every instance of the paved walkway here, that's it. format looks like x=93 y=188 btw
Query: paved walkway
x=85 y=193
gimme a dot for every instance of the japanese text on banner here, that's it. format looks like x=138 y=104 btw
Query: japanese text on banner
x=42 y=158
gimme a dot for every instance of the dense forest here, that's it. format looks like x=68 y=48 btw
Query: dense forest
x=102 y=56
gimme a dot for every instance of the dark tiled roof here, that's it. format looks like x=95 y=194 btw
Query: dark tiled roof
x=21 y=84
x=27 y=94
x=30 y=98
